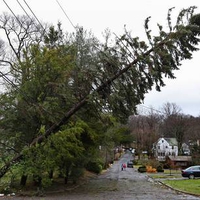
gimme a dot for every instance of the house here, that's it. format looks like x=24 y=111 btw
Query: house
x=179 y=161
x=165 y=147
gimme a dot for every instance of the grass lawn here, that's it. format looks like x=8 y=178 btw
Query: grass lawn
x=163 y=176
x=166 y=174
x=188 y=185
x=191 y=186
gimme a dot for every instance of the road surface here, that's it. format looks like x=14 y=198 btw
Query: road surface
x=115 y=184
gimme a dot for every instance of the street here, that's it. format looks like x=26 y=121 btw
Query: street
x=115 y=184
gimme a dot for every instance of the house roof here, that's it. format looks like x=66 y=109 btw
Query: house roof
x=172 y=141
x=180 y=158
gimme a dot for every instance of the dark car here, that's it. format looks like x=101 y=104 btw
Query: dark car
x=130 y=164
x=191 y=172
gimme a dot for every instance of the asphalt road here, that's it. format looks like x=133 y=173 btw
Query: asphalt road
x=115 y=184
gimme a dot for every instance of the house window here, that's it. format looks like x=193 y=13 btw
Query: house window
x=158 y=147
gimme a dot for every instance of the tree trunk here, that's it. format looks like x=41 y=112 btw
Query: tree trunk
x=67 y=175
x=23 y=180
x=51 y=174
x=37 y=181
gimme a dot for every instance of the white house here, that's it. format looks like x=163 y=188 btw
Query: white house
x=165 y=147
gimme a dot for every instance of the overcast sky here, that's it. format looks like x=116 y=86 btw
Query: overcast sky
x=97 y=15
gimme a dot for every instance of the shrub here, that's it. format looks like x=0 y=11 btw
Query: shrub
x=135 y=162
x=76 y=173
x=160 y=169
x=152 y=162
x=95 y=167
x=142 y=169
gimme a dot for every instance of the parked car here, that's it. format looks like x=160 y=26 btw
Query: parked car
x=130 y=164
x=191 y=172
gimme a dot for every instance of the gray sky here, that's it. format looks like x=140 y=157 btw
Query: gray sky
x=97 y=15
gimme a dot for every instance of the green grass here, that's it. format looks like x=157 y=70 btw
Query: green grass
x=163 y=176
x=166 y=174
x=186 y=185
x=189 y=185
x=172 y=171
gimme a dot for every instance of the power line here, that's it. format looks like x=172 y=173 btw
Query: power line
x=12 y=12
x=4 y=76
x=34 y=14
x=24 y=9
x=33 y=21
x=66 y=14
x=151 y=108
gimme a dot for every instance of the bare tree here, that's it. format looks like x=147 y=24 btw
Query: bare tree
x=169 y=109
x=145 y=129
x=19 y=33
x=175 y=124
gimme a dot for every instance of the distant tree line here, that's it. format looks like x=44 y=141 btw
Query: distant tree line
x=169 y=122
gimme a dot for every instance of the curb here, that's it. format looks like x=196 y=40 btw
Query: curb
x=177 y=190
